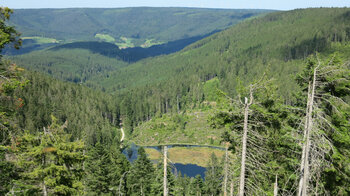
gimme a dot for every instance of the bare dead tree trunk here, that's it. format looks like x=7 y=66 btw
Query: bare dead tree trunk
x=244 y=141
x=275 y=189
x=226 y=170
x=305 y=172
x=231 y=188
x=44 y=189
x=142 y=190
x=304 y=139
x=165 y=171
x=43 y=162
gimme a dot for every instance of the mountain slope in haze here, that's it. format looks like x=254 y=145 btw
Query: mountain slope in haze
x=127 y=26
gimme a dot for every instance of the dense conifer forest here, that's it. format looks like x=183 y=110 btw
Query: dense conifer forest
x=273 y=91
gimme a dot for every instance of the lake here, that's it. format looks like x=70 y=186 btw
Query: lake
x=187 y=159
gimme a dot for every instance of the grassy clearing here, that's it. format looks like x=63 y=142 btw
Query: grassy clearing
x=193 y=155
x=189 y=128
x=150 y=42
x=41 y=40
x=105 y=37
x=125 y=43
x=153 y=154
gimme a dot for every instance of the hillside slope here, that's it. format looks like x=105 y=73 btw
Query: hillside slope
x=74 y=63
x=278 y=42
x=127 y=26
x=86 y=112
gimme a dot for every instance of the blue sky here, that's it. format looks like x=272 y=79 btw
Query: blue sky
x=261 y=4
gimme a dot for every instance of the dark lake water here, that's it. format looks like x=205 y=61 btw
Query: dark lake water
x=190 y=170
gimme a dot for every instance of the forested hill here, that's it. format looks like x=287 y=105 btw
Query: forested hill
x=278 y=42
x=88 y=113
x=133 y=26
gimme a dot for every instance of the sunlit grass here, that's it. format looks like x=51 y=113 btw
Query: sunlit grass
x=41 y=40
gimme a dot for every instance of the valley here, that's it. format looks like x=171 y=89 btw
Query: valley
x=120 y=87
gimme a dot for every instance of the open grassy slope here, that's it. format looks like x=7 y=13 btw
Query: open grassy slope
x=189 y=128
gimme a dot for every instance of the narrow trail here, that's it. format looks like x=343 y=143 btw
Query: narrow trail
x=123 y=134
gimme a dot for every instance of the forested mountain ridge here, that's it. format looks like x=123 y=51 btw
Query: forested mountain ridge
x=128 y=26
x=276 y=43
x=277 y=40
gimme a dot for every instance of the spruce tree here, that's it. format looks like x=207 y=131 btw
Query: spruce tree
x=49 y=162
x=141 y=175
x=213 y=177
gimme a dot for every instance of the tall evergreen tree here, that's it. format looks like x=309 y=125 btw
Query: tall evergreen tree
x=49 y=162
x=105 y=168
x=213 y=177
x=157 y=184
x=141 y=175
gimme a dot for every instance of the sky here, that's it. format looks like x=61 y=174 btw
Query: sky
x=229 y=4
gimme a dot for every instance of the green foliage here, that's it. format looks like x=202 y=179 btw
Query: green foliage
x=9 y=78
x=8 y=33
x=157 y=185
x=49 y=161
x=85 y=110
x=106 y=170
x=233 y=53
x=7 y=173
x=187 y=128
x=164 y=84
x=74 y=62
x=213 y=177
x=198 y=185
x=170 y=84
x=210 y=89
x=141 y=175
x=331 y=118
